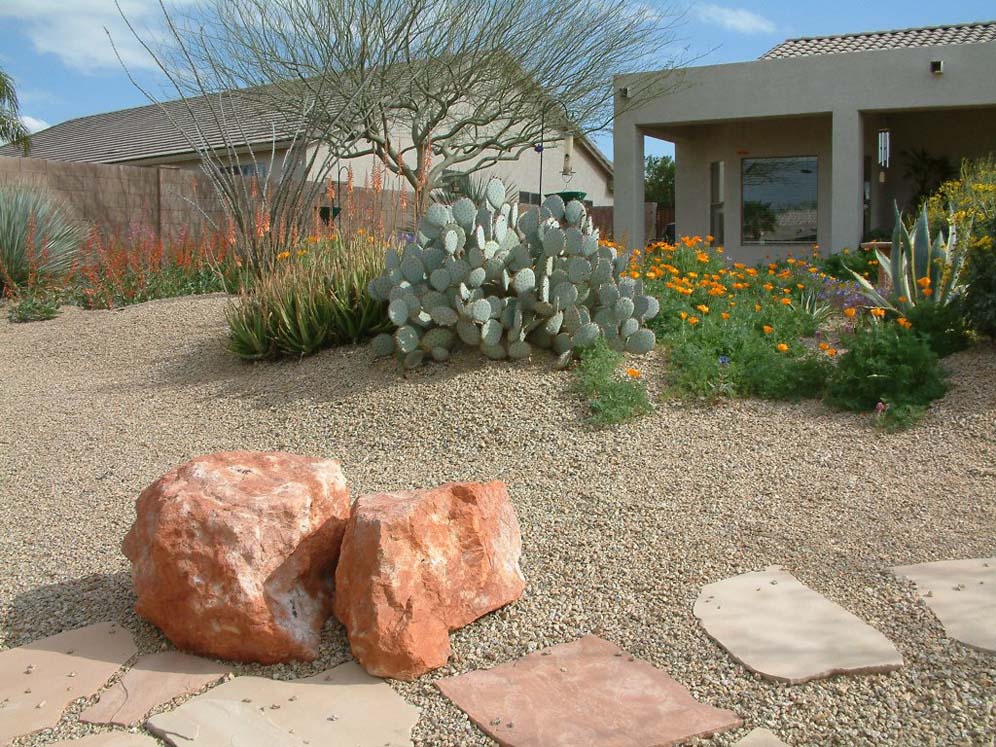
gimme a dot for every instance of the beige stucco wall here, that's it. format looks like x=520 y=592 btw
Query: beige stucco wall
x=841 y=87
x=523 y=172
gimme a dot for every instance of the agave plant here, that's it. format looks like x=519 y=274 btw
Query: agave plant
x=36 y=233
x=918 y=269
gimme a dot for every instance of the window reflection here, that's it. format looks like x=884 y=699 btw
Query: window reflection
x=779 y=200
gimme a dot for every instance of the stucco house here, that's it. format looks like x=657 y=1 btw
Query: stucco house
x=813 y=142
x=147 y=136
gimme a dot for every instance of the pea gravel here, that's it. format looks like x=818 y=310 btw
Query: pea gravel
x=621 y=527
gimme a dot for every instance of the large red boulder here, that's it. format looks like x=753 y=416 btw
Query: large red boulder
x=416 y=565
x=232 y=554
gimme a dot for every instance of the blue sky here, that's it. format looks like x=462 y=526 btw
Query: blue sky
x=64 y=66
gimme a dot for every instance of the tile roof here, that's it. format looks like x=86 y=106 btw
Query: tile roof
x=934 y=36
x=149 y=131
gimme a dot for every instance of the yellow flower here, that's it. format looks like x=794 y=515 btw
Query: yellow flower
x=904 y=322
x=757 y=307
x=832 y=352
x=301 y=252
x=693 y=320
x=782 y=347
x=767 y=329
x=725 y=315
x=283 y=255
x=923 y=282
x=878 y=313
x=703 y=308
x=633 y=373
x=850 y=312
x=683 y=315
x=634 y=275
x=824 y=346
x=786 y=301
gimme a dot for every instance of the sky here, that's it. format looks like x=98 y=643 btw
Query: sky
x=64 y=64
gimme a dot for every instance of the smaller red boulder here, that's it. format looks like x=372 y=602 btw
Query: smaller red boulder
x=232 y=553
x=416 y=565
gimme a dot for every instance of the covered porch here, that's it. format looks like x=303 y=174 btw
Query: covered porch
x=766 y=187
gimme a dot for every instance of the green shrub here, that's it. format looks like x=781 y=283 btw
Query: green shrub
x=839 y=265
x=33 y=306
x=885 y=364
x=760 y=370
x=979 y=302
x=612 y=396
x=310 y=301
x=943 y=325
x=36 y=235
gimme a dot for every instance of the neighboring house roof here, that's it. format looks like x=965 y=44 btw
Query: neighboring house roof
x=149 y=131
x=931 y=36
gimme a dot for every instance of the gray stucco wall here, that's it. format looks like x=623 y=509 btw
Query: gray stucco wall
x=840 y=87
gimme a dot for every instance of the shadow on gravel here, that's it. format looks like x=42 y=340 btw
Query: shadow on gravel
x=329 y=376
x=51 y=609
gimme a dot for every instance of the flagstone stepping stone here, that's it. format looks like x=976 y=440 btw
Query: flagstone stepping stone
x=110 y=739
x=152 y=681
x=583 y=693
x=780 y=628
x=39 y=680
x=206 y=723
x=962 y=593
x=760 y=738
x=341 y=706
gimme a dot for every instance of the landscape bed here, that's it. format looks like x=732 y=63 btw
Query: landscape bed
x=622 y=527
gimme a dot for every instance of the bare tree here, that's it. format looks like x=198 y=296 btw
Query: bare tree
x=482 y=81
x=253 y=95
x=425 y=86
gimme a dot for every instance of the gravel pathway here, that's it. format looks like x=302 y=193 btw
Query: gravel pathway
x=621 y=528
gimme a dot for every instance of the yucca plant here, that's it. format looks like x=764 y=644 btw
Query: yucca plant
x=918 y=269
x=36 y=234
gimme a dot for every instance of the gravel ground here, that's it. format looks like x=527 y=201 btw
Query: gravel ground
x=621 y=527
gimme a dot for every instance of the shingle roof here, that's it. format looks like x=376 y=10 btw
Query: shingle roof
x=147 y=131
x=933 y=36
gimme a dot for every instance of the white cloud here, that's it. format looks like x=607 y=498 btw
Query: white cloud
x=34 y=124
x=734 y=19
x=74 y=30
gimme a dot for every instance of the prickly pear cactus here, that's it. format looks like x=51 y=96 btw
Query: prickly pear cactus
x=508 y=283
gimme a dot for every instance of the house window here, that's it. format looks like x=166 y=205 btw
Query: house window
x=530 y=198
x=717 y=188
x=245 y=169
x=779 y=200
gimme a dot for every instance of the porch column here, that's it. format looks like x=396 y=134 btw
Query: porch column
x=627 y=214
x=847 y=198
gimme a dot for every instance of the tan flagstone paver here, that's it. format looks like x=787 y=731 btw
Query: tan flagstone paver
x=109 y=739
x=219 y=723
x=39 y=680
x=760 y=738
x=588 y=692
x=343 y=705
x=962 y=593
x=780 y=628
x=153 y=680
